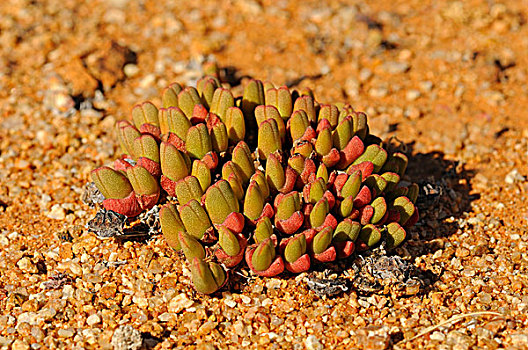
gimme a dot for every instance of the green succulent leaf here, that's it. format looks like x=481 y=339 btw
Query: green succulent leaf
x=322 y=240
x=235 y=124
x=289 y=204
x=275 y=173
x=228 y=241
x=194 y=218
x=330 y=113
x=405 y=207
x=126 y=134
x=347 y=230
x=298 y=124
x=263 y=255
x=295 y=248
x=263 y=229
x=370 y=235
x=222 y=100
x=142 y=181
x=174 y=120
x=171 y=225
x=190 y=246
x=281 y=99
x=306 y=103
x=319 y=213
x=395 y=235
x=242 y=158
x=374 y=154
x=198 y=143
x=269 y=140
x=169 y=97
x=111 y=183
x=253 y=201
x=147 y=146
x=207 y=278
x=202 y=173
x=145 y=113
x=220 y=201
x=173 y=162
x=187 y=189
x=206 y=87
x=380 y=208
x=187 y=99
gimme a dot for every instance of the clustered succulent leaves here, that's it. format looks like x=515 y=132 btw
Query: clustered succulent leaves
x=272 y=178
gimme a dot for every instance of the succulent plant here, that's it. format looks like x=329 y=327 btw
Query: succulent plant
x=271 y=177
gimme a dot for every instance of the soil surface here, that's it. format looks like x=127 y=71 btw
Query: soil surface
x=447 y=78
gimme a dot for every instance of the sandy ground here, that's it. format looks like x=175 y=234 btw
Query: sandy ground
x=448 y=78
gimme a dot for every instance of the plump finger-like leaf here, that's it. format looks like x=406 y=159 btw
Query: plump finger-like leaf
x=126 y=134
x=275 y=173
x=374 y=154
x=194 y=218
x=343 y=133
x=207 y=278
x=288 y=205
x=269 y=140
x=228 y=241
x=263 y=229
x=171 y=225
x=295 y=248
x=142 y=181
x=370 y=235
x=220 y=201
x=263 y=113
x=188 y=188
x=260 y=179
x=147 y=146
x=319 y=213
x=413 y=192
x=145 y=113
x=298 y=123
x=322 y=240
x=360 y=126
x=190 y=246
x=405 y=207
x=187 y=99
x=392 y=180
x=173 y=162
x=347 y=230
x=397 y=163
x=395 y=235
x=174 y=120
x=218 y=134
x=222 y=100
x=242 y=158
x=169 y=97
x=306 y=103
x=235 y=124
x=206 y=87
x=380 y=208
x=253 y=201
x=198 y=143
x=111 y=183
x=263 y=255
x=281 y=99
x=323 y=144
x=304 y=148
x=252 y=97
x=330 y=113
x=352 y=185
x=202 y=173
x=377 y=183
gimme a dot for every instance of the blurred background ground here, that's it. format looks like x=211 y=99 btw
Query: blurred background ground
x=449 y=78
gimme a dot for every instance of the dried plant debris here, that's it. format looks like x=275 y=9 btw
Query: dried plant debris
x=107 y=223
x=56 y=281
x=387 y=274
x=324 y=285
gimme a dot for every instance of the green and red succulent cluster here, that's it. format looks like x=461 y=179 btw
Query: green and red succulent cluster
x=272 y=178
